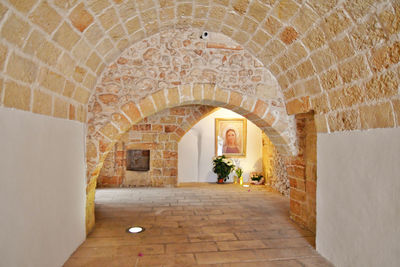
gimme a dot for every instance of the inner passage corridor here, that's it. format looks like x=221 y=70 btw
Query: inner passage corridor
x=195 y=224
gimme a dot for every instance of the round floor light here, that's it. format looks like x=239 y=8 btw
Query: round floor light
x=135 y=229
x=246 y=185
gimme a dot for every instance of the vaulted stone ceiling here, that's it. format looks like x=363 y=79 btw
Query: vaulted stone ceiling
x=338 y=58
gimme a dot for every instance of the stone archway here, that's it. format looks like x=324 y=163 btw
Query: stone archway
x=159 y=133
x=176 y=67
x=173 y=61
x=256 y=110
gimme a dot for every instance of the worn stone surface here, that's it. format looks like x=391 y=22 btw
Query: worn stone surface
x=46 y=17
x=377 y=116
x=357 y=39
x=42 y=103
x=344 y=120
x=60 y=108
x=302 y=173
x=17 y=96
x=396 y=108
x=66 y=36
x=192 y=225
x=288 y=35
x=80 y=17
x=241 y=6
x=22 y=69
x=51 y=80
x=15 y=30
x=274 y=167
x=353 y=69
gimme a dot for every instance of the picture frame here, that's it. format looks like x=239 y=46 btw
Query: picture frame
x=230 y=137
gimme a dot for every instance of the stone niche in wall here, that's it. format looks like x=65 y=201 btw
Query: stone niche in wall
x=137 y=160
x=159 y=134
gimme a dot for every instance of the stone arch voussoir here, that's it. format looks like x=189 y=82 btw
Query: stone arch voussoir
x=271 y=120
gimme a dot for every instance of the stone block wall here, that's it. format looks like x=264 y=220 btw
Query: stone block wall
x=302 y=173
x=274 y=167
x=159 y=133
x=338 y=58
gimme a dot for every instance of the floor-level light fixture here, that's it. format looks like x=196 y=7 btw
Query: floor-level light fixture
x=135 y=229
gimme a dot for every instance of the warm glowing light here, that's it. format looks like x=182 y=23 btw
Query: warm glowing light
x=135 y=229
x=246 y=185
x=241 y=180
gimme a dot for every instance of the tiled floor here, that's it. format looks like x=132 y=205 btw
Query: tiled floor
x=201 y=224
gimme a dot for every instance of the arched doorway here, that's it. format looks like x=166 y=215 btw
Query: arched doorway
x=181 y=71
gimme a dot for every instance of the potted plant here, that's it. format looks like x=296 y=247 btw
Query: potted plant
x=256 y=178
x=222 y=167
x=239 y=173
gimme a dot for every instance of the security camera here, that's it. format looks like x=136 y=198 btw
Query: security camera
x=204 y=35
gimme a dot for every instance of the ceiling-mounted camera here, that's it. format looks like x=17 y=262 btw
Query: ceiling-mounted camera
x=204 y=35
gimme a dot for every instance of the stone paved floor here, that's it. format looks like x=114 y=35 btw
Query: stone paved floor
x=201 y=224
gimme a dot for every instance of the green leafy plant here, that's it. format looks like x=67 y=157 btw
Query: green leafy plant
x=239 y=172
x=222 y=167
x=256 y=176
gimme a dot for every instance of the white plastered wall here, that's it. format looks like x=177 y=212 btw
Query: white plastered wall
x=42 y=189
x=198 y=144
x=358 y=198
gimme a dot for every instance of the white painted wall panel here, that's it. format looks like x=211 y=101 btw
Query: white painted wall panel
x=42 y=189
x=358 y=198
x=188 y=157
x=205 y=147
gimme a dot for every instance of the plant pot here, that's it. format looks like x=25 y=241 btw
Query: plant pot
x=257 y=182
x=220 y=180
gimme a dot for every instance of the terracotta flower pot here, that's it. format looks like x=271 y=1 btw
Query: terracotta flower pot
x=220 y=180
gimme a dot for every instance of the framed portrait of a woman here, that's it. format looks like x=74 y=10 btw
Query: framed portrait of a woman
x=230 y=137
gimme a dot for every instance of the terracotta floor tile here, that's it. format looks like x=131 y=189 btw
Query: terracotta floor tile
x=315 y=262
x=283 y=263
x=239 y=245
x=287 y=242
x=135 y=250
x=225 y=256
x=94 y=252
x=164 y=239
x=166 y=260
x=212 y=237
x=285 y=253
x=111 y=241
x=205 y=224
x=101 y=262
x=191 y=247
